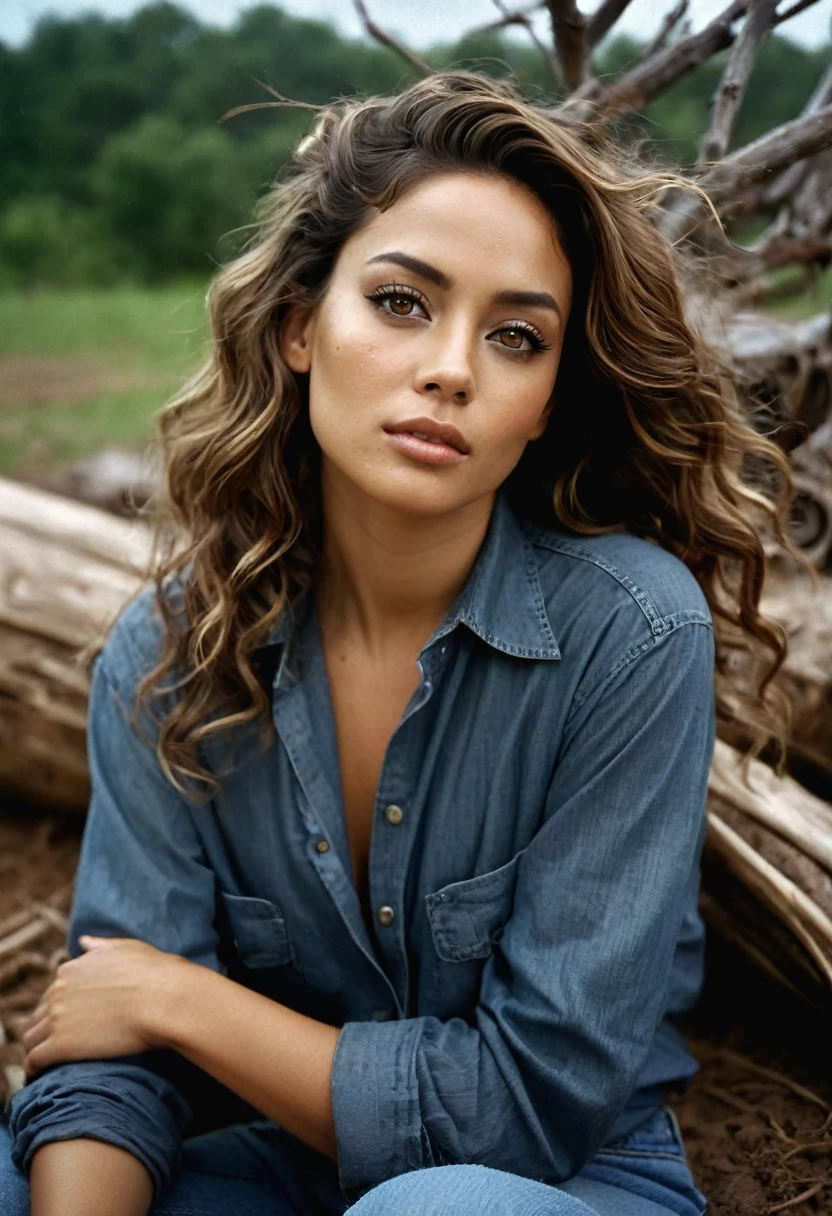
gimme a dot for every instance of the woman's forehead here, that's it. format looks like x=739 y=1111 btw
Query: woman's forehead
x=467 y=224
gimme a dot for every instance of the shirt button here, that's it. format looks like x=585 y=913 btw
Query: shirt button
x=385 y=915
x=394 y=814
x=322 y=846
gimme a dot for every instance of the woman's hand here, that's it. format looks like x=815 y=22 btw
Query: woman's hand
x=105 y=1003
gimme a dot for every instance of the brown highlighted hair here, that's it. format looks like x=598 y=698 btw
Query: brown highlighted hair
x=646 y=435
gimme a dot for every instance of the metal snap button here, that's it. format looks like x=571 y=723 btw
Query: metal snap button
x=394 y=814
x=385 y=915
x=322 y=846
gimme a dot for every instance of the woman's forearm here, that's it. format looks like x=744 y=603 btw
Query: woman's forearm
x=278 y=1060
x=88 y=1178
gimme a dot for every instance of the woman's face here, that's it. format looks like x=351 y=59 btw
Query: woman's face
x=448 y=307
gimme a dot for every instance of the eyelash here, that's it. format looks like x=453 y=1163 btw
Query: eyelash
x=390 y=290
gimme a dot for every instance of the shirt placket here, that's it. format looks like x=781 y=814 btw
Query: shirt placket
x=397 y=812
x=300 y=698
x=318 y=806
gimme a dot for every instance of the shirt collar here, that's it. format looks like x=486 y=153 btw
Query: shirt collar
x=502 y=601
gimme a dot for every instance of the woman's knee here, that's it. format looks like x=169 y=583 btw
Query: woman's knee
x=466 y=1190
x=14 y=1187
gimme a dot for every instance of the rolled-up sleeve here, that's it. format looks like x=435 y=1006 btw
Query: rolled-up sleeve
x=571 y=998
x=141 y=874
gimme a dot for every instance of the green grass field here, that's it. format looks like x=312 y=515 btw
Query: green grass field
x=85 y=370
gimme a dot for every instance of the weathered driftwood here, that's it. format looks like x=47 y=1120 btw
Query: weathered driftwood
x=805 y=612
x=65 y=571
x=784 y=370
x=774 y=840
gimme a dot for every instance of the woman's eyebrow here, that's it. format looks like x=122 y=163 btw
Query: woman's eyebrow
x=521 y=299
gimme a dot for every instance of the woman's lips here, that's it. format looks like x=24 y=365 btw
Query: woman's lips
x=429 y=451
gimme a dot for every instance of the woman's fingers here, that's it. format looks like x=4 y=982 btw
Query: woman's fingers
x=37 y=1032
x=36 y=1015
x=39 y=1057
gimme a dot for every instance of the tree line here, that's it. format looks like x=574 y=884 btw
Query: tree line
x=117 y=168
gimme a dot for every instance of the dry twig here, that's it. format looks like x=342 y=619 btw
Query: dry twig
x=668 y=25
x=603 y=19
x=520 y=18
x=380 y=35
x=790 y=1203
x=742 y=1061
x=824 y=1146
x=517 y=16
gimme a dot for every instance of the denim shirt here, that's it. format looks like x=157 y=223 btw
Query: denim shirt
x=533 y=870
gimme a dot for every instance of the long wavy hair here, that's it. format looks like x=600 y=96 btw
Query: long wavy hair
x=647 y=435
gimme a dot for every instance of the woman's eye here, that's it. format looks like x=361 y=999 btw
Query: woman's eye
x=400 y=305
x=516 y=334
x=516 y=337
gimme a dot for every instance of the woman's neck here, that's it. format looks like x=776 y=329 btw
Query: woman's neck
x=387 y=576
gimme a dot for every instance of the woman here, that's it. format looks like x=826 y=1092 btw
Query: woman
x=402 y=843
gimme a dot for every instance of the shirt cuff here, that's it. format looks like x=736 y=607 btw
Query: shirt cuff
x=125 y=1105
x=375 y=1104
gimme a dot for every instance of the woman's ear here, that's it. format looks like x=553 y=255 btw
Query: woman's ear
x=296 y=337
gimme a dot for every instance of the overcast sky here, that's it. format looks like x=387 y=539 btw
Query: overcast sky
x=417 y=21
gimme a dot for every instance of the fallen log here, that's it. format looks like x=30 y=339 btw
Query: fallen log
x=771 y=839
x=66 y=570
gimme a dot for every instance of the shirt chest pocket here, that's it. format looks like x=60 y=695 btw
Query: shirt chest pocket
x=258 y=931
x=467 y=918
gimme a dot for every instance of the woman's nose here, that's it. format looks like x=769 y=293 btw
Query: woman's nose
x=446 y=369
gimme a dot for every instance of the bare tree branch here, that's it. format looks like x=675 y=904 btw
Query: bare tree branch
x=569 y=34
x=668 y=25
x=787 y=183
x=269 y=105
x=793 y=141
x=380 y=35
x=592 y=89
x=603 y=19
x=731 y=91
x=518 y=18
x=796 y=8
x=780 y=251
x=726 y=183
x=636 y=87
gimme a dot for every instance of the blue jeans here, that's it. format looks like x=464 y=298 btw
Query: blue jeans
x=256 y=1169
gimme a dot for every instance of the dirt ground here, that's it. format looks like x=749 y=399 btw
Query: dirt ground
x=35 y=379
x=757 y=1120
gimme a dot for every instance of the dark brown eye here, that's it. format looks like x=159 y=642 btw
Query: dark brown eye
x=396 y=301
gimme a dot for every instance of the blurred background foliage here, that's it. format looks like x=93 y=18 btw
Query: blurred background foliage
x=121 y=191
x=117 y=169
